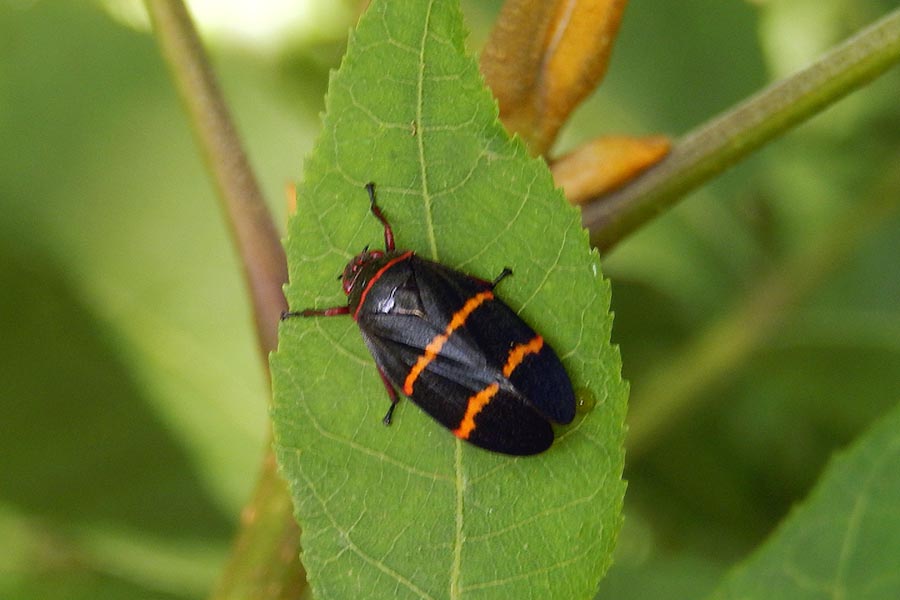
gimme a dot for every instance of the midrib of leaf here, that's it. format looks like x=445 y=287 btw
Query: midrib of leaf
x=852 y=533
x=458 y=539
x=859 y=509
x=456 y=565
x=420 y=137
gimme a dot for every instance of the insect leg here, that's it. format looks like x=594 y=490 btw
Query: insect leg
x=312 y=312
x=376 y=210
x=392 y=393
x=503 y=275
x=492 y=284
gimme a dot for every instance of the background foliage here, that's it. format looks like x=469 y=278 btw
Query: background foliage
x=133 y=406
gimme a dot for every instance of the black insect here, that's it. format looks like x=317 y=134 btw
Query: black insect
x=447 y=342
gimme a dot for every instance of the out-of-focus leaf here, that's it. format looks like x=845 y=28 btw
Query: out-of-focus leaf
x=680 y=578
x=543 y=58
x=80 y=445
x=844 y=540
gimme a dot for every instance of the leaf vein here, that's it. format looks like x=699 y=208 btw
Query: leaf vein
x=353 y=547
x=589 y=549
x=562 y=508
x=380 y=456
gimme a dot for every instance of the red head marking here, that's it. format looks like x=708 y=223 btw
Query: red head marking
x=355 y=267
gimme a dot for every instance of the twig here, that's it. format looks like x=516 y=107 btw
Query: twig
x=265 y=561
x=716 y=145
x=255 y=235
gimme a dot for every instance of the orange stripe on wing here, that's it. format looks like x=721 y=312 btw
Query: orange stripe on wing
x=476 y=404
x=518 y=354
x=434 y=346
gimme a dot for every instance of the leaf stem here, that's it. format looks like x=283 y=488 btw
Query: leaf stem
x=265 y=559
x=716 y=145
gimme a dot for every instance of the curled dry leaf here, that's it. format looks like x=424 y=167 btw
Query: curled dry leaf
x=606 y=163
x=544 y=57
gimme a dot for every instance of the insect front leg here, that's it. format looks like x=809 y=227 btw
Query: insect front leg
x=313 y=312
x=376 y=210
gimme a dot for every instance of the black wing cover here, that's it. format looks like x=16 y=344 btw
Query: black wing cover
x=411 y=304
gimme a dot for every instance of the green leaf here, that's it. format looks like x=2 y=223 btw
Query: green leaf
x=409 y=511
x=844 y=541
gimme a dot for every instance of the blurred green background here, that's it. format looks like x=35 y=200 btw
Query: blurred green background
x=132 y=401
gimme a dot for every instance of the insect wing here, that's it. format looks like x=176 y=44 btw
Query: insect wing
x=492 y=417
x=405 y=328
x=415 y=325
x=505 y=342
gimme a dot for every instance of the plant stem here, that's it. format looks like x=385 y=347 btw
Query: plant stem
x=265 y=561
x=716 y=145
x=255 y=235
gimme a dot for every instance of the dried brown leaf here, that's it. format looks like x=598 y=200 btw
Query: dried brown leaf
x=604 y=164
x=544 y=57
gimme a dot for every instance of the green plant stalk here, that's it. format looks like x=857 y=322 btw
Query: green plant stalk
x=254 y=233
x=721 y=142
x=265 y=561
x=677 y=388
